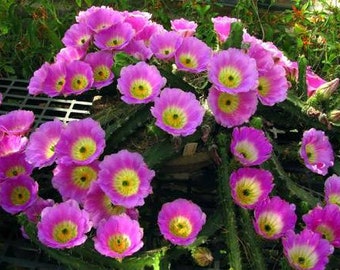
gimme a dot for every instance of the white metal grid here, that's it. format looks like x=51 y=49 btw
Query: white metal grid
x=16 y=96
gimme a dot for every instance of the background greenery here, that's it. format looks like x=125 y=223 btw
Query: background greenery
x=30 y=31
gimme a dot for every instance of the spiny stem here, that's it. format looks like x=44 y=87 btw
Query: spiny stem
x=227 y=205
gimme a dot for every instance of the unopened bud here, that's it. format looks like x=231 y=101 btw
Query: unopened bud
x=334 y=116
x=325 y=90
x=202 y=256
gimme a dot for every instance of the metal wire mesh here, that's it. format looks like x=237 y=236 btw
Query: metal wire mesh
x=15 y=96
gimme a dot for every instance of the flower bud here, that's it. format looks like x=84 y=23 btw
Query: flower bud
x=325 y=90
x=202 y=256
x=334 y=116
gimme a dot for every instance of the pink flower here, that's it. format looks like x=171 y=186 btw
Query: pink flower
x=273 y=217
x=232 y=71
x=193 y=55
x=165 y=44
x=17 y=122
x=140 y=83
x=316 y=151
x=222 y=27
x=184 y=27
x=118 y=237
x=180 y=221
x=250 y=146
x=306 y=250
x=250 y=186
x=63 y=225
x=232 y=110
x=332 y=189
x=125 y=178
x=177 y=112
x=326 y=221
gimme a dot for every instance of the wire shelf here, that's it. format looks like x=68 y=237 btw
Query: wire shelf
x=16 y=96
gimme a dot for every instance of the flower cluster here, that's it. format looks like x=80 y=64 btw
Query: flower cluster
x=101 y=192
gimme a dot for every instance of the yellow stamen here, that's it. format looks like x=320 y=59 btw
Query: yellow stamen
x=248 y=190
x=303 y=256
x=126 y=182
x=83 y=176
x=119 y=243
x=230 y=77
x=180 y=226
x=247 y=150
x=140 y=89
x=83 y=149
x=65 y=231
x=115 y=42
x=174 y=117
x=264 y=86
x=188 y=60
x=15 y=171
x=79 y=82
x=228 y=103
x=20 y=195
x=101 y=73
x=270 y=223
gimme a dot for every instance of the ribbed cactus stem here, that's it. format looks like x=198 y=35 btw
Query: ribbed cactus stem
x=251 y=239
x=227 y=205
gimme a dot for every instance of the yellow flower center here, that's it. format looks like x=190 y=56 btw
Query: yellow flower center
x=334 y=198
x=248 y=190
x=264 y=86
x=228 y=103
x=140 y=89
x=327 y=232
x=83 y=176
x=65 y=231
x=247 y=150
x=83 y=148
x=20 y=195
x=112 y=209
x=101 y=73
x=115 y=42
x=167 y=50
x=126 y=182
x=180 y=226
x=82 y=40
x=188 y=60
x=270 y=223
x=79 y=82
x=15 y=171
x=50 y=149
x=119 y=243
x=303 y=256
x=174 y=117
x=59 y=84
x=311 y=153
x=230 y=77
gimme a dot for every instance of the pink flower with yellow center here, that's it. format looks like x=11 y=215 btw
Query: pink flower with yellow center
x=18 y=193
x=177 y=112
x=125 y=178
x=180 y=221
x=140 y=83
x=306 y=250
x=79 y=78
x=74 y=181
x=99 y=206
x=273 y=217
x=118 y=237
x=40 y=149
x=249 y=186
x=326 y=221
x=332 y=190
x=101 y=63
x=232 y=71
x=316 y=151
x=232 y=110
x=165 y=44
x=250 y=146
x=115 y=37
x=193 y=55
x=63 y=225
x=78 y=35
x=138 y=49
x=13 y=165
x=70 y=54
x=55 y=79
x=81 y=142
x=273 y=86
x=100 y=18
